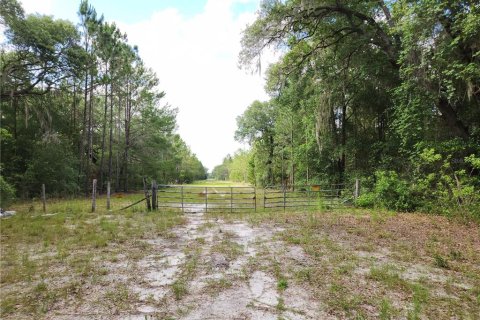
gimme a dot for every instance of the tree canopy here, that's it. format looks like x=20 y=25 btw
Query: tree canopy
x=365 y=89
x=78 y=103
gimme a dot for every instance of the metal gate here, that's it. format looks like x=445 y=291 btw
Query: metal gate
x=303 y=197
x=206 y=199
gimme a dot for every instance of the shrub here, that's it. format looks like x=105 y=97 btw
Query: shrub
x=366 y=200
x=7 y=193
x=392 y=192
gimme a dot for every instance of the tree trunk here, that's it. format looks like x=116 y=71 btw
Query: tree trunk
x=110 y=154
x=117 y=164
x=104 y=130
x=128 y=107
x=90 y=137
x=84 y=132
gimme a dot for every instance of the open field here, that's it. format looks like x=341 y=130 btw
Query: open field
x=353 y=264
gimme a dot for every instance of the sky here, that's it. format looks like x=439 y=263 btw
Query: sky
x=193 y=47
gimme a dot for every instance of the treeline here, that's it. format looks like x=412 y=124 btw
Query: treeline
x=236 y=168
x=387 y=92
x=78 y=103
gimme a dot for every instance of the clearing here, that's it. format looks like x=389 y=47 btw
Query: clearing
x=71 y=264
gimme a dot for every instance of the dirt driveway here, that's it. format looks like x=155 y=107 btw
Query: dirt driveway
x=331 y=265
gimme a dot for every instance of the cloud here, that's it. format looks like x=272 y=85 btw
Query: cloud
x=38 y=6
x=196 y=61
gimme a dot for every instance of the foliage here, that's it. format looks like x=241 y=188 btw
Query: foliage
x=53 y=164
x=7 y=193
x=393 y=192
x=363 y=89
x=78 y=104
x=366 y=200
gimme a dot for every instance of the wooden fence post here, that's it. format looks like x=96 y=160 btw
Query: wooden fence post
x=108 y=195
x=94 y=194
x=154 y=195
x=206 y=199
x=183 y=209
x=44 y=198
x=231 y=199
x=147 y=197
x=357 y=189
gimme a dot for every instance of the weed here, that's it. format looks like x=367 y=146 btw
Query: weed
x=214 y=287
x=441 y=262
x=388 y=275
x=304 y=275
x=179 y=288
x=281 y=305
x=420 y=297
x=120 y=297
x=282 y=284
x=386 y=309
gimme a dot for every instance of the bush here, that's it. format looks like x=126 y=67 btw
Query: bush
x=366 y=200
x=392 y=192
x=53 y=164
x=7 y=193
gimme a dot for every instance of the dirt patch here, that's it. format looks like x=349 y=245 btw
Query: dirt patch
x=293 y=266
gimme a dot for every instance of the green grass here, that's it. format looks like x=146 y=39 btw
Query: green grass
x=69 y=239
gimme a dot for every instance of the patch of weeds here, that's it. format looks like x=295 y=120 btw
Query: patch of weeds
x=120 y=297
x=456 y=255
x=282 y=284
x=345 y=269
x=386 y=309
x=82 y=264
x=230 y=249
x=281 y=305
x=440 y=262
x=205 y=226
x=218 y=285
x=420 y=297
x=200 y=240
x=8 y=305
x=74 y=288
x=304 y=275
x=330 y=244
x=28 y=267
x=340 y=298
x=179 y=289
x=41 y=299
x=388 y=275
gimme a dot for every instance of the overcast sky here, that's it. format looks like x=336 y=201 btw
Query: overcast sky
x=193 y=47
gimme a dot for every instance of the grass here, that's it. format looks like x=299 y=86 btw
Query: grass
x=358 y=263
x=51 y=257
x=376 y=264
